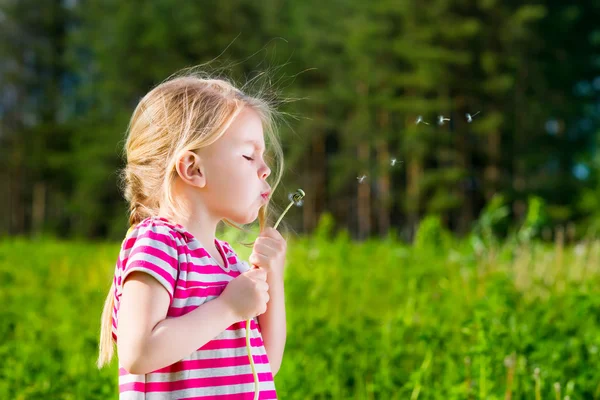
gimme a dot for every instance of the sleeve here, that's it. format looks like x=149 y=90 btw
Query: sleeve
x=155 y=253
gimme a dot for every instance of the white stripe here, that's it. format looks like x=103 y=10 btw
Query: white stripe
x=236 y=333
x=206 y=373
x=141 y=256
x=157 y=244
x=224 y=353
x=129 y=378
x=132 y=396
x=141 y=230
x=200 y=261
x=212 y=391
x=190 y=301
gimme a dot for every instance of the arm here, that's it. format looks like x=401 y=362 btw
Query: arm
x=272 y=322
x=147 y=341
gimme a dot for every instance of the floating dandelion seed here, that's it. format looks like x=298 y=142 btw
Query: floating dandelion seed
x=470 y=117
x=361 y=178
x=420 y=119
x=441 y=120
x=394 y=161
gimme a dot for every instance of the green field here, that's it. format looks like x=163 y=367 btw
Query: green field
x=371 y=320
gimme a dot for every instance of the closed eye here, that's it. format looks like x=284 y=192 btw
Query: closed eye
x=248 y=158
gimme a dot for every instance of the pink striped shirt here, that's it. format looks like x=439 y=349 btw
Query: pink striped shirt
x=218 y=370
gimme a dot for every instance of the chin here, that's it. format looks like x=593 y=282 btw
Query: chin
x=245 y=219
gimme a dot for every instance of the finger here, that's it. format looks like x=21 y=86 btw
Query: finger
x=254 y=273
x=265 y=249
x=276 y=244
x=259 y=274
x=258 y=259
x=271 y=232
x=263 y=285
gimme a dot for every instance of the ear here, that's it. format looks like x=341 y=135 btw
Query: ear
x=190 y=168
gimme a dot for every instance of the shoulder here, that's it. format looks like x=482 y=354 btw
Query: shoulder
x=155 y=231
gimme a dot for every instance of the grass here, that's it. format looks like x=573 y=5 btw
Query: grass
x=442 y=319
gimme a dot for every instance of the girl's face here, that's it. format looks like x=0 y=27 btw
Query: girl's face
x=236 y=171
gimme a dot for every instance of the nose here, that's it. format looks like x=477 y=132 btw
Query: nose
x=264 y=172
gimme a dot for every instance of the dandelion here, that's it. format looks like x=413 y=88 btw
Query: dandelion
x=295 y=199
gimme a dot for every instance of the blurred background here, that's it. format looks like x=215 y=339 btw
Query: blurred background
x=451 y=146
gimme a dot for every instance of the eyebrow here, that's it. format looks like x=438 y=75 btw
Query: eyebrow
x=255 y=143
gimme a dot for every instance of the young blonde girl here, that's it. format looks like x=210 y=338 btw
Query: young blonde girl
x=180 y=297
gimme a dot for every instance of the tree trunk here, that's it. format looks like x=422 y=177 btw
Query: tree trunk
x=315 y=180
x=466 y=211
x=364 y=195
x=5 y=205
x=492 y=171
x=308 y=208
x=38 y=210
x=318 y=183
x=383 y=180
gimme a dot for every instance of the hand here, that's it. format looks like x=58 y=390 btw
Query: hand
x=269 y=252
x=248 y=294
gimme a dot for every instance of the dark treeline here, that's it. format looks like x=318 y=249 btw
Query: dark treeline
x=363 y=74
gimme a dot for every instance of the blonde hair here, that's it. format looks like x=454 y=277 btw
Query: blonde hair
x=183 y=113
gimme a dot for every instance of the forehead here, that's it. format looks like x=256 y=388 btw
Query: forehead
x=246 y=129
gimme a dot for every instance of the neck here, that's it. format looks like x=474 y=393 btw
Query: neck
x=202 y=225
x=199 y=222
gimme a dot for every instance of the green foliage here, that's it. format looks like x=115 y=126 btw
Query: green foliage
x=363 y=72
x=535 y=220
x=366 y=320
x=431 y=234
x=491 y=224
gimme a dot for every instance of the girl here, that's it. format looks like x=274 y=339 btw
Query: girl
x=180 y=297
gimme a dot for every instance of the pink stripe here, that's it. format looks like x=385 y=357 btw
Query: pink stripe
x=150 y=233
x=199 y=283
x=164 y=239
x=141 y=388
x=242 y=324
x=179 y=311
x=129 y=243
x=218 y=344
x=213 y=290
x=206 y=382
x=200 y=252
x=207 y=269
x=264 y=395
x=133 y=387
x=187 y=365
x=143 y=264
